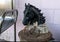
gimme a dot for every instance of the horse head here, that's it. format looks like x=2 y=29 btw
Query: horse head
x=32 y=14
x=29 y=15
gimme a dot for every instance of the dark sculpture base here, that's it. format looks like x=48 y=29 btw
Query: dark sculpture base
x=27 y=36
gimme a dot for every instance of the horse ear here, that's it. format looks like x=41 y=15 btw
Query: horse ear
x=25 y=5
x=29 y=4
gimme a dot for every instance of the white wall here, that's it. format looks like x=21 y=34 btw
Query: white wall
x=51 y=10
x=50 y=4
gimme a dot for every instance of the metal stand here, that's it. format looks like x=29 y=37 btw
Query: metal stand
x=15 y=32
x=0 y=31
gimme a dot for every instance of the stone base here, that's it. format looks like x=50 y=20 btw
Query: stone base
x=27 y=36
x=2 y=40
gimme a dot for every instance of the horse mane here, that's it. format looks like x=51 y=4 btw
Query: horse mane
x=35 y=8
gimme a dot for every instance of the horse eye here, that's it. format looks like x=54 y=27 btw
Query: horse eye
x=27 y=17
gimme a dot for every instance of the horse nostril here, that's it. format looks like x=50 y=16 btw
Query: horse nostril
x=25 y=22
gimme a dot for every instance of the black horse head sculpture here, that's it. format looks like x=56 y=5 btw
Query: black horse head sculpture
x=32 y=14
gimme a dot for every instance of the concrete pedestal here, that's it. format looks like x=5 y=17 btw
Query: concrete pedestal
x=27 y=36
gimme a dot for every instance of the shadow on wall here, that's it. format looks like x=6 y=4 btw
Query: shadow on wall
x=55 y=30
